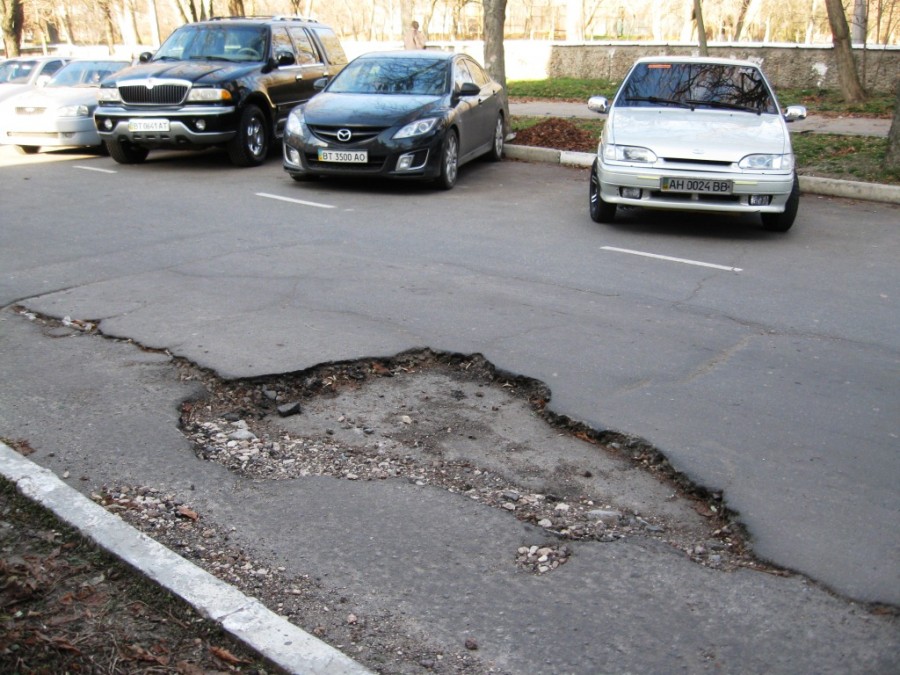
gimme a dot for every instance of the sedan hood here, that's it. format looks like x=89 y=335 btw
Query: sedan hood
x=53 y=97
x=713 y=135
x=368 y=109
x=198 y=72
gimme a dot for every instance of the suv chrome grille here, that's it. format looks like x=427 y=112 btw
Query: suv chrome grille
x=153 y=93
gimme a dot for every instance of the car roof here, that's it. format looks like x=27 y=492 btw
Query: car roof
x=435 y=55
x=696 y=59
x=39 y=59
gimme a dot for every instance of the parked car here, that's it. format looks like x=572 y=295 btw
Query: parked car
x=61 y=113
x=21 y=73
x=696 y=134
x=409 y=114
x=229 y=82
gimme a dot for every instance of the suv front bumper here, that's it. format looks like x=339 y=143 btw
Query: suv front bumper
x=201 y=126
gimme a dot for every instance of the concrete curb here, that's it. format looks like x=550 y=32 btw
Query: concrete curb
x=874 y=192
x=243 y=617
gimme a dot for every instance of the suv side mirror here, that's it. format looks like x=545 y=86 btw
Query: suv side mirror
x=284 y=58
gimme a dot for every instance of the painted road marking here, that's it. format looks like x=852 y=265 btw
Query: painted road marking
x=94 y=168
x=671 y=259
x=294 y=201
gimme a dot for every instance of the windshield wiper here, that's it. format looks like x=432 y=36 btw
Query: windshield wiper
x=654 y=99
x=724 y=104
x=212 y=58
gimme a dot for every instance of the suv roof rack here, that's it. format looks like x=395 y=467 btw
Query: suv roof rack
x=266 y=17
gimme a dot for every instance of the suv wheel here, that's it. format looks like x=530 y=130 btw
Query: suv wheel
x=126 y=153
x=251 y=144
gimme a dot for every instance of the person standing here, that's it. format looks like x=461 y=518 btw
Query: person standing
x=414 y=38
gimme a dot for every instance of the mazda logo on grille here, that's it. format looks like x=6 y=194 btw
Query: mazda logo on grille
x=344 y=135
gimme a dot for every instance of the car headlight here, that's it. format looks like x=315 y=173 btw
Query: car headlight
x=628 y=153
x=295 y=123
x=73 y=111
x=208 y=95
x=417 y=128
x=770 y=162
x=108 y=95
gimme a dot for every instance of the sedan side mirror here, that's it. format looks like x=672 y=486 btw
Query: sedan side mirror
x=468 y=89
x=795 y=112
x=145 y=57
x=320 y=84
x=598 y=104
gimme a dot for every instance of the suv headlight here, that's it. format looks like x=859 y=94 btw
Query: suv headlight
x=209 y=95
x=417 y=128
x=767 y=162
x=73 y=111
x=109 y=95
x=628 y=153
x=295 y=123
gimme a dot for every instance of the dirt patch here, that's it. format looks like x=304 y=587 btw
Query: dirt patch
x=559 y=134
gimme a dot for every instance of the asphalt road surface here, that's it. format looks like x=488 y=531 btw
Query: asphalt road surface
x=762 y=365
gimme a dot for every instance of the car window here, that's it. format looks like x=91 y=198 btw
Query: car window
x=480 y=77
x=85 y=74
x=281 y=41
x=218 y=42
x=17 y=71
x=332 y=44
x=691 y=85
x=50 y=67
x=416 y=76
x=461 y=74
x=306 y=52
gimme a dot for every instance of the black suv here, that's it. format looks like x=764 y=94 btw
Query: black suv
x=229 y=82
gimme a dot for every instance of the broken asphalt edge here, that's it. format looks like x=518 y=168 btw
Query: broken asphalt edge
x=830 y=187
x=246 y=619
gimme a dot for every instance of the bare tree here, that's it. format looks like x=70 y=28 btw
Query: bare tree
x=701 y=29
x=892 y=156
x=12 y=19
x=494 y=20
x=851 y=88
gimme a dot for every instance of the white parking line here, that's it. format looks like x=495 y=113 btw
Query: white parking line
x=669 y=258
x=93 y=168
x=294 y=201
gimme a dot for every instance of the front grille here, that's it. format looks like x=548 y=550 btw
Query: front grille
x=157 y=94
x=28 y=110
x=329 y=134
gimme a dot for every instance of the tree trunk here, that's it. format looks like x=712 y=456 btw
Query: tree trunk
x=701 y=29
x=741 y=17
x=892 y=156
x=851 y=89
x=13 y=20
x=494 y=19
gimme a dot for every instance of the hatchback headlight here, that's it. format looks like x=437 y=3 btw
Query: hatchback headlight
x=767 y=162
x=417 y=128
x=108 y=95
x=73 y=111
x=628 y=153
x=209 y=95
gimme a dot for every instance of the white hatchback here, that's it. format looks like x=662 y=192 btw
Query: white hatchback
x=696 y=134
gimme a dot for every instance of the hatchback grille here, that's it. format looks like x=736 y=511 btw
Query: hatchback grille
x=331 y=134
x=158 y=94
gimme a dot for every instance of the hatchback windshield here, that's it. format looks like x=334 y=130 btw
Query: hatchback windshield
x=424 y=77
x=215 y=43
x=693 y=85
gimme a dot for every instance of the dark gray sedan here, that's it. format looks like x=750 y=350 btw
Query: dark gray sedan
x=409 y=114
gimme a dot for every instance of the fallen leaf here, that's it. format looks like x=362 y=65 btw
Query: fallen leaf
x=188 y=513
x=226 y=656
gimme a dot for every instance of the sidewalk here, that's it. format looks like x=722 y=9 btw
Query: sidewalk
x=847 y=126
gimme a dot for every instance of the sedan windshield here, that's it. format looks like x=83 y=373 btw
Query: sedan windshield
x=85 y=73
x=410 y=76
x=16 y=71
x=696 y=85
x=214 y=43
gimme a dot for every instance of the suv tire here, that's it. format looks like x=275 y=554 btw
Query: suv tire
x=251 y=144
x=126 y=153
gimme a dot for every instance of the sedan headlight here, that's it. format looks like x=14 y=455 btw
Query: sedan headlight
x=417 y=128
x=767 y=162
x=108 y=95
x=628 y=153
x=73 y=111
x=295 y=123
x=209 y=95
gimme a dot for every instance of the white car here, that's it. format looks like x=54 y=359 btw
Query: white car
x=61 y=113
x=696 y=134
x=21 y=73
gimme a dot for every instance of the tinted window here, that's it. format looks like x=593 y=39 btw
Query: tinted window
x=306 y=53
x=481 y=78
x=85 y=73
x=392 y=76
x=215 y=42
x=332 y=45
x=16 y=71
x=697 y=85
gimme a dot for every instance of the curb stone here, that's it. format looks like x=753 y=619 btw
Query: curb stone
x=832 y=187
x=244 y=618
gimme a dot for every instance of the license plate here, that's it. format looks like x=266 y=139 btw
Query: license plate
x=148 y=125
x=344 y=156
x=718 y=187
